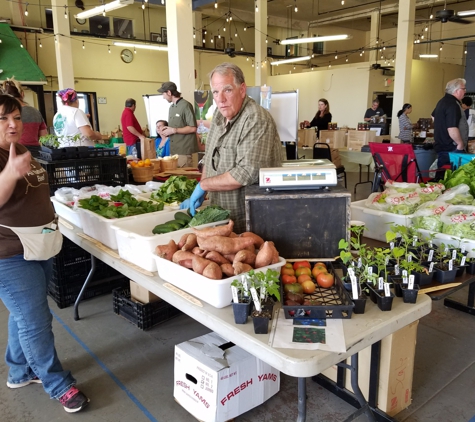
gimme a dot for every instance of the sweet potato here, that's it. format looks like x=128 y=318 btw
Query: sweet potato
x=241 y=267
x=230 y=256
x=216 y=257
x=233 y=235
x=190 y=242
x=275 y=253
x=183 y=258
x=213 y=271
x=182 y=240
x=198 y=251
x=215 y=231
x=166 y=251
x=199 y=264
x=265 y=255
x=245 y=256
x=258 y=240
x=227 y=269
x=224 y=245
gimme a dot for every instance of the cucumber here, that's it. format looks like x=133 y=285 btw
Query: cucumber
x=175 y=225
x=182 y=216
x=162 y=229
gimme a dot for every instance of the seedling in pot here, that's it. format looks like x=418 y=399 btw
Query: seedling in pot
x=262 y=285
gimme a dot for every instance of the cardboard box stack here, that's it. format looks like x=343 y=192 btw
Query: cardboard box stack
x=306 y=137
x=334 y=138
x=358 y=138
x=141 y=294
x=217 y=381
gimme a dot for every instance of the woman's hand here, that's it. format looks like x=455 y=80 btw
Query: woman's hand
x=18 y=165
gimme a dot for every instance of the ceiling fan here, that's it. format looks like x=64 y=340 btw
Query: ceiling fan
x=449 y=15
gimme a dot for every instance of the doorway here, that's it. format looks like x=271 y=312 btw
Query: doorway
x=386 y=103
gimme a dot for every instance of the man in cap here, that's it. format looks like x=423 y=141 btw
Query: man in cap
x=242 y=139
x=182 y=125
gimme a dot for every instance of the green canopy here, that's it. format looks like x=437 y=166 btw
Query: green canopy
x=16 y=61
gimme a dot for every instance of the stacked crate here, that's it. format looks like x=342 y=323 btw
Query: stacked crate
x=70 y=269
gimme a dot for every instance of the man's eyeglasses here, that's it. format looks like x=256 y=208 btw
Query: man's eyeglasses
x=214 y=157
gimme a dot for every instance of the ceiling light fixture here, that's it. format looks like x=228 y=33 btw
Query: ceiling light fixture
x=142 y=46
x=116 y=4
x=315 y=39
x=296 y=59
x=428 y=56
x=466 y=13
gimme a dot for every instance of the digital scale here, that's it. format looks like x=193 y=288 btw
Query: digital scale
x=299 y=174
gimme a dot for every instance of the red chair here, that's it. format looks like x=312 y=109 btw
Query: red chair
x=395 y=162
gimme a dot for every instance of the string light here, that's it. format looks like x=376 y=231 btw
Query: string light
x=55 y=39
x=235 y=35
x=329 y=65
x=336 y=56
x=26 y=9
x=194 y=34
x=224 y=29
x=257 y=10
x=346 y=60
x=104 y=12
x=135 y=51
x=41 y=45
x=431 y=16
x=242 y=48
x=441 y=44
x=163 y=1
x=205 y=32
x=215 y=4
x=252 y=63
x=230 y=17
x=21 y=44
x=266 y=40
x=204 y=40
x=143 y=5
x=342 y=2
x=109 y=49
x=247 y=59
x=426 y=28
x=83 y=46
x=245 y=28
x=212 y=41
x=296 y=8
x=465 y=52
x=219 y=35
x=66 y=12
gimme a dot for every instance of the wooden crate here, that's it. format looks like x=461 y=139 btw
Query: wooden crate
x=334 y=138
x=306 y=137
x=358 y=138
x=303 y=224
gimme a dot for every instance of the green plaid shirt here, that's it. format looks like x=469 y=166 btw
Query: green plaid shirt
x=242 y=146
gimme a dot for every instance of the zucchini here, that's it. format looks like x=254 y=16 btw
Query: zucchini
x=182 y=216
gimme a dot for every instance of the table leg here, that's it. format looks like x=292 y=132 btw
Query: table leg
x=468 y=308
x=84 y=287
x=367 y=177
x=302 y=399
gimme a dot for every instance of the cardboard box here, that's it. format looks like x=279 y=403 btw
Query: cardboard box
x=217 y=381
x=395 y=370
x=336 y=158
x=141 y=294
x=306 y=137
x=334 y=138
x=358 y=138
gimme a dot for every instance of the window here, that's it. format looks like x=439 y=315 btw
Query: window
x=317 y=46
x=49 y=18
x=99 y=25
x=123 y=28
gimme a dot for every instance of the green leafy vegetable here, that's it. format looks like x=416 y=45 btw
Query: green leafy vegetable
x=210 y=214
x=175 y=189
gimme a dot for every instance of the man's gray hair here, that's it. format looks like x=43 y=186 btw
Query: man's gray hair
x=229 y=69
x=454 y=84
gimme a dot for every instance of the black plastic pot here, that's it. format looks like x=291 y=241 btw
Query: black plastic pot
x=385 y=303
x=268 y=306
x=261 y=324
x=444 y=276
x=372 y=292
x=423 y=279
x=460 y=270
x=397 y=283
x=410 y=295
x=241 y=312
x=360 y=305
x=470 y=267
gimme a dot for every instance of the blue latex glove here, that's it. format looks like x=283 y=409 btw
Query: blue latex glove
x=196 y=199
x=185 y=204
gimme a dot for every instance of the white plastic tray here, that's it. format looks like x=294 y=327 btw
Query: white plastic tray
x=377 y=222
x=136 y=242
x=448 y=239
x=215 y=292
x=66 y=212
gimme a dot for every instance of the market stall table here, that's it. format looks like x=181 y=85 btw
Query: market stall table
x=360 y=331
x=360 y=158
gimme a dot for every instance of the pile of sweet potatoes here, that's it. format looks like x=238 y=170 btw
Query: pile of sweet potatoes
x=218 y=252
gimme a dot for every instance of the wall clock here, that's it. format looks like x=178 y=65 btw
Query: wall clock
x=126 y=55
x=80 y=21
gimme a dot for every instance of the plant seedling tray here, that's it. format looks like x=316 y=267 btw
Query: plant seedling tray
x=335 y=302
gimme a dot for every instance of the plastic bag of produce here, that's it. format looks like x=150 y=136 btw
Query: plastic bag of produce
x=401 y=187
x=427 y=216
x=66 y=195
x=377 y=201
x=459 y=220
x=403 y=203
x=458 y=195
x=430 y=192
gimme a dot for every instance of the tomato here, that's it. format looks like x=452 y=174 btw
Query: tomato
x=320 y=264
x=288 y=265
x=303 y=277
x=308 y=286
x=317 y=269
x=303 y=270
x=299 y=264
x=325 y=280
x=289 y=279
x=295 y=288
x=288 y=271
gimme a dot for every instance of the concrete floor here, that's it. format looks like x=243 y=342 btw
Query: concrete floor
x=128 y=373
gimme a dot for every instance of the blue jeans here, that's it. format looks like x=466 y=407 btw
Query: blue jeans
x=30 y=349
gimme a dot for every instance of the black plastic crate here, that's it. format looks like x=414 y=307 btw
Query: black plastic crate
x=66 y=153
x=66 y=295
x=144 y=316
x=73 y=263
x=102 y=152
x=86 y=172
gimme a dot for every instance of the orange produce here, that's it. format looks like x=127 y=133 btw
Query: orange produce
x=317 y=269
x=308 y=287
x=325 y=280
x=289 y=279
x=299 y=264
x=140 y=164
x=302 y=270
x=288 y=271
x=288 y=265
x=303 y=277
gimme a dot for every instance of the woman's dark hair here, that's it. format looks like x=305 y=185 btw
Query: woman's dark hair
x=404 y=108
x=163 y=121
x=9 y=104
x=467 y=101
x=12 y=87
x=327 y=109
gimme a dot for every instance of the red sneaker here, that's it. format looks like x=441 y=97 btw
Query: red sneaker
x=73 y=400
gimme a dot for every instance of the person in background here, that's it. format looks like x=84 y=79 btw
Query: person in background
x=33 y=124
x=25 y=202
x=182 y=125
x=132 y=132
x=374 y=110
x=242 y=139
x=162 y=143
x=450 y=124
x=70 y=121
x=470 y=116
x=405 y=125
x=322 y=118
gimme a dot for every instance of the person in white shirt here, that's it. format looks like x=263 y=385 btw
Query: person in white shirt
x=470 y=115
x=70 y=121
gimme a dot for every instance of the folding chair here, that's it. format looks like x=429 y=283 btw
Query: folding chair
x=322 y=150
x=395 y=162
